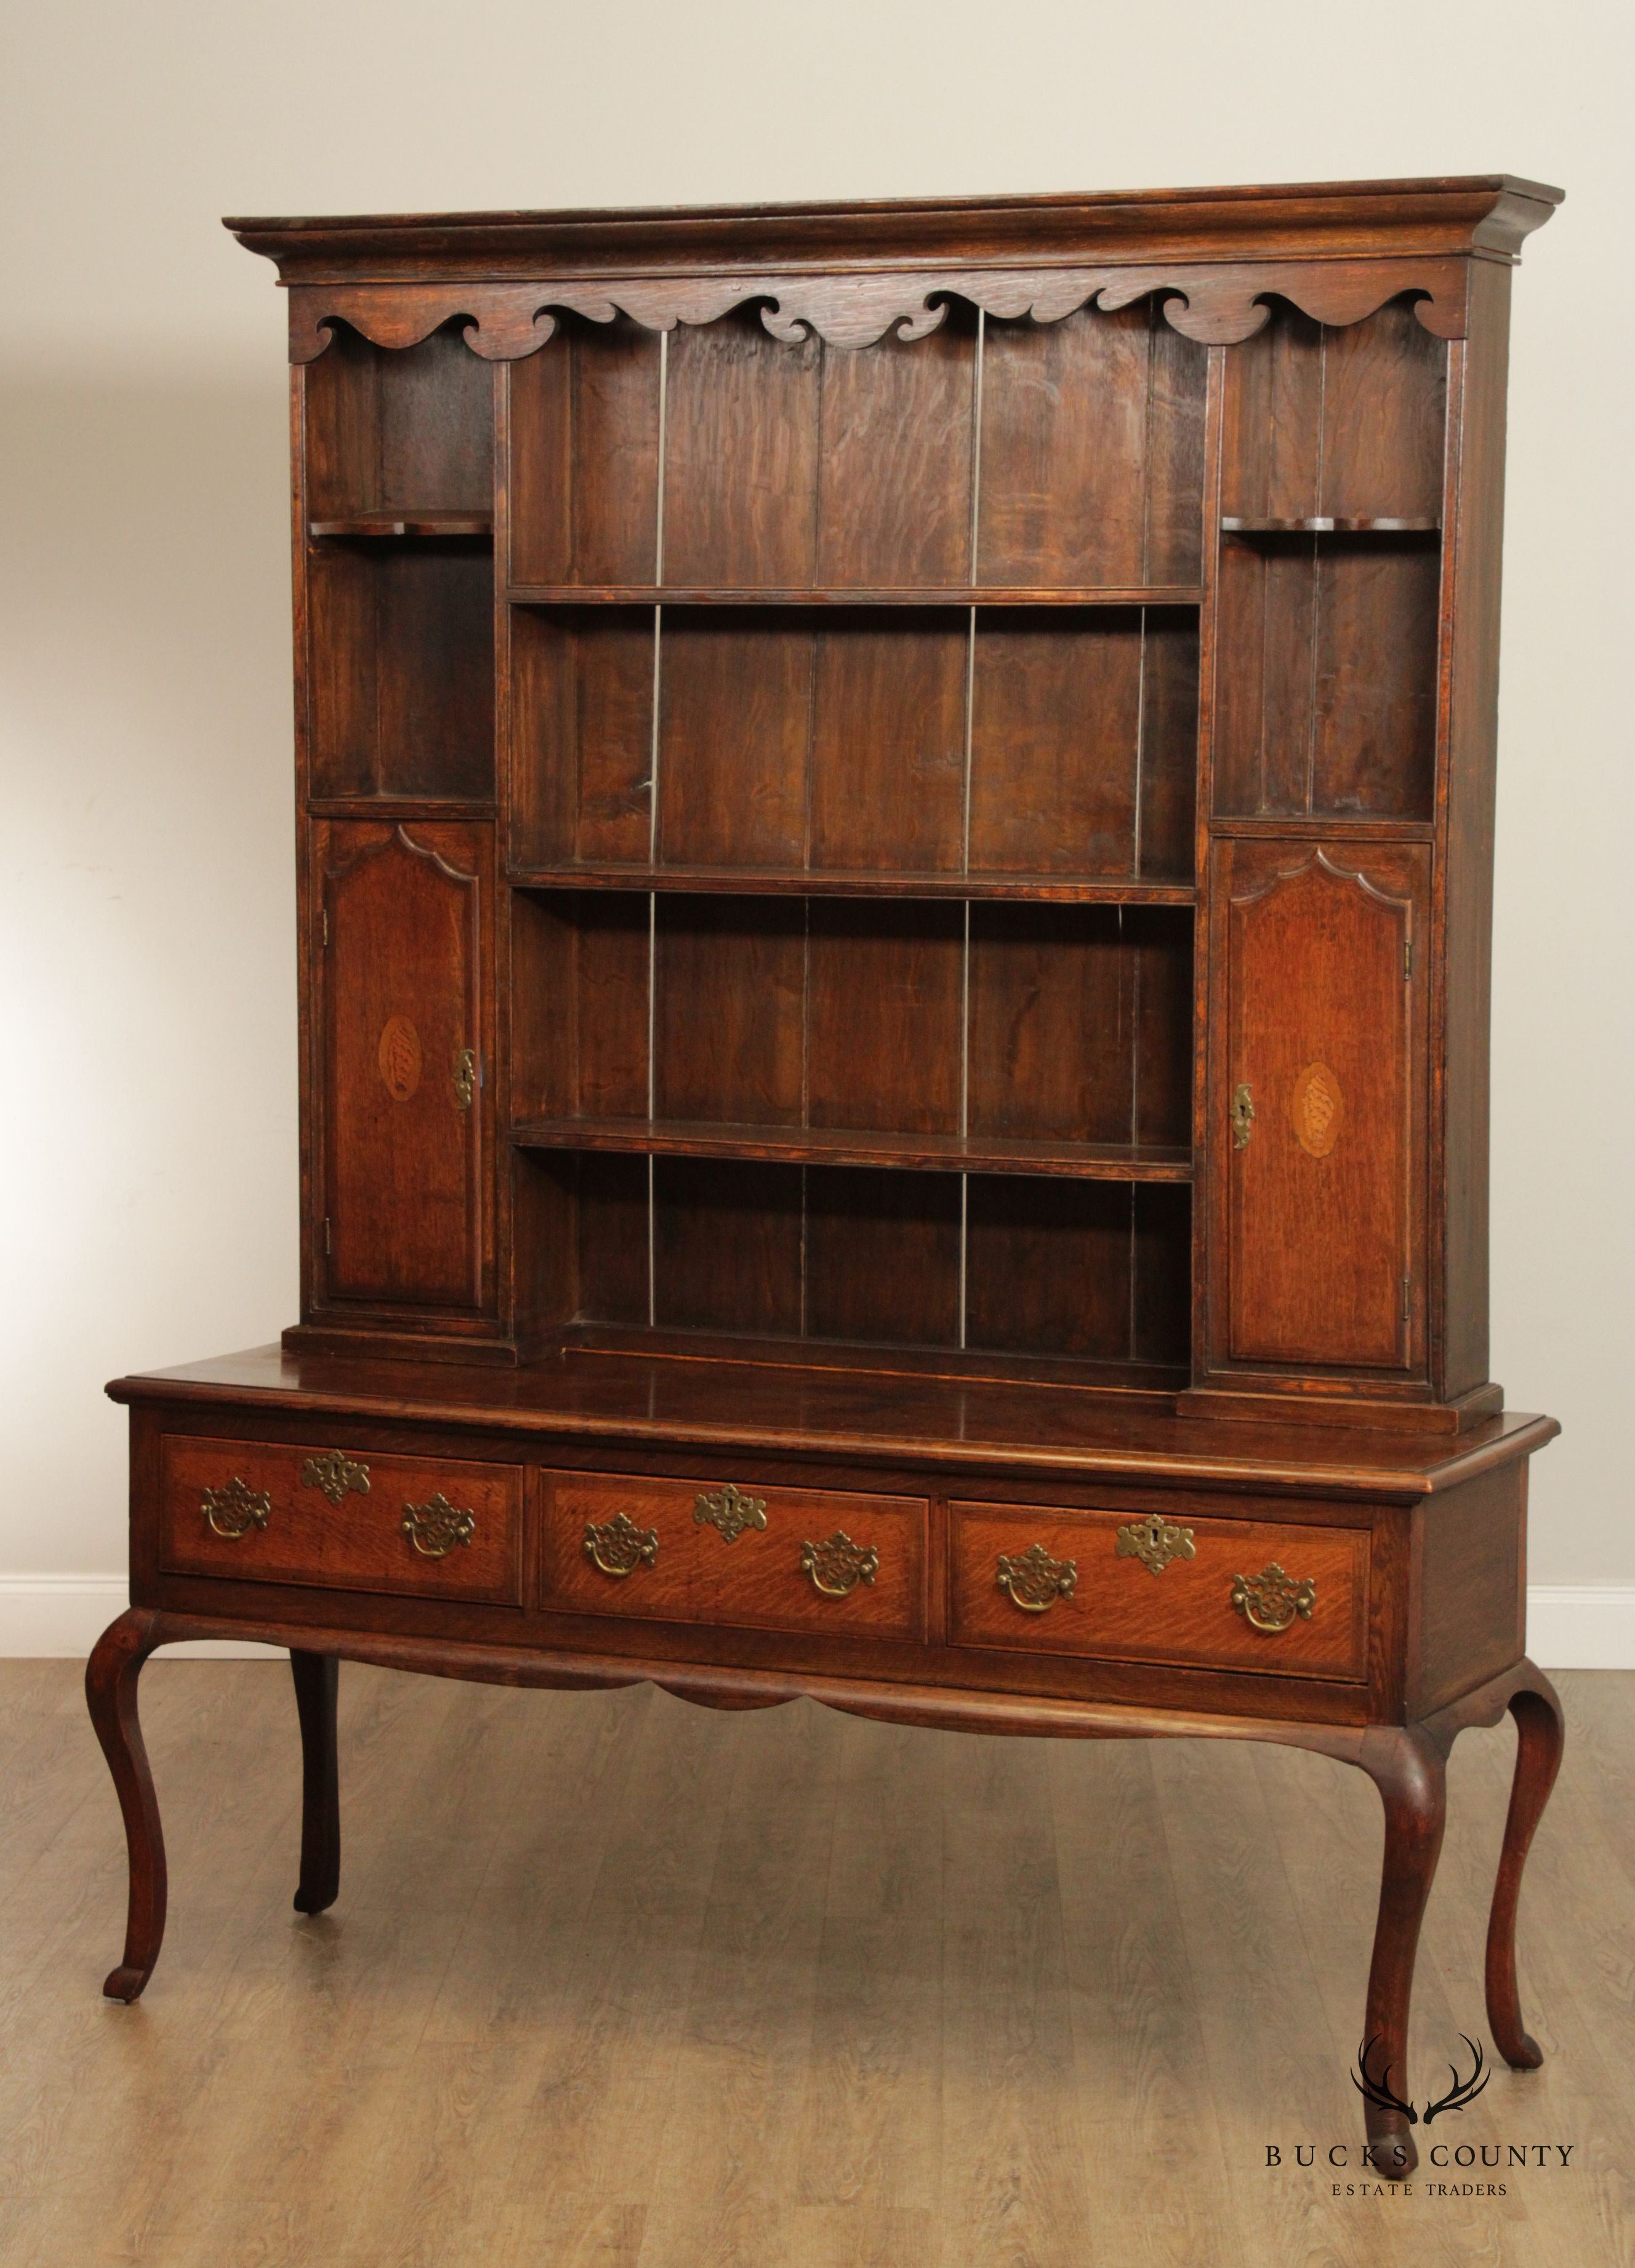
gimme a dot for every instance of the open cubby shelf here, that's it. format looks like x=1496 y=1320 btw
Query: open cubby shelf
x=934 y=740
x=717 y=458
x=926 y=1030
x=970 y=1265
x=831 y=1145
x=1303 y=727
x=400 y=696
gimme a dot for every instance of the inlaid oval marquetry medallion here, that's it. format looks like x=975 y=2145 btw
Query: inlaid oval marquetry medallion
x=1316 y=1108
x=399 y=1057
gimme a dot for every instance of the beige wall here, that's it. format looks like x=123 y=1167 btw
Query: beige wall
x=149 y=1166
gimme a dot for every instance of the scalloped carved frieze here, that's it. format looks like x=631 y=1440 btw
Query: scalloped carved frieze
x=1219 y=305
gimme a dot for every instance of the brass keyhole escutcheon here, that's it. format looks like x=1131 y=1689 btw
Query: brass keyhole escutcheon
x=1270 y=1601
x=232 y=1511
x=336 y=1475
x=618 y=1547
x=1034 y=1581
x=464 y=1078
x=729 y=1510
x=433 y=1529
x=1154 y=1541
x=1243 y=1116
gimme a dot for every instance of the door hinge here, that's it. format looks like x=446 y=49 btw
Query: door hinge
x=326 y=1232
x=1408 y=956
x=324 y=924
x=1407 y=1299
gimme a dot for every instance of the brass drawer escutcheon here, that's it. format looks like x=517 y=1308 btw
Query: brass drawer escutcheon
x=619 y=1547
x=1272 y=1599
x=839 y=1565
x=336 y=1475
x=234 y=1510
x=729 y=1510
x=1154 y=1541
x=435 y=1529
x=1034 y=1581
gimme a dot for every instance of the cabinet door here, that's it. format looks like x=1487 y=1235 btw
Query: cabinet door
x=405 y=1195
x=1320 y=1116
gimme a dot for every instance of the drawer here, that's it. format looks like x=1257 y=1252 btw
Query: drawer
x=1220 y=1593
x=349 y=1520
x=759 y=1558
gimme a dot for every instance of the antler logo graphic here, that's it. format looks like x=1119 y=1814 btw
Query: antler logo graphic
x=1462 y=2090
x=1377 y=2091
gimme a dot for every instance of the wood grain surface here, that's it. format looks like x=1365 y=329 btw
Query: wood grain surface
x=612 y=1980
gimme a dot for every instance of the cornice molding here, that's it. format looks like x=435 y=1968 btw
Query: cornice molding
x=1489 y=213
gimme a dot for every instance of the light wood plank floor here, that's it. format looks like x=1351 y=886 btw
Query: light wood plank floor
x=617 y=1981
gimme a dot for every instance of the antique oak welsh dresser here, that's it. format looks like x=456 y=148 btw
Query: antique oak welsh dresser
x=895 y=837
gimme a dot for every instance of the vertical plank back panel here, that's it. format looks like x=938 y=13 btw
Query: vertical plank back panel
x=585 y=456
x=741 y=477
x=896 y=422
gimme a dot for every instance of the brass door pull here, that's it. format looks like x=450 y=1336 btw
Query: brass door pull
x=234 y=1510
x=619 y=1547
x=336 y=1475
x=1034 y=1581
x=1270 y=1601
x=433 y=1529
x=839 y=1565
x=1154 y=1541
x=1243 y=1116
x=729 y=1510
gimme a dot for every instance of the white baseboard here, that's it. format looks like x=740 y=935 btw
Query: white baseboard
x=1581 y=1625
x=1569 y=1625
x=65 y=1615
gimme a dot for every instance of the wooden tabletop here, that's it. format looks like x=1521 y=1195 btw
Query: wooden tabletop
x=779 y=1409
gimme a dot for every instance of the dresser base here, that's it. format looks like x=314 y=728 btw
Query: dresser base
x=1407 y=1763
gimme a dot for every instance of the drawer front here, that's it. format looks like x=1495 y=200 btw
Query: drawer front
x=1216 y=1593
x=272 y=1512
x=759 y=1558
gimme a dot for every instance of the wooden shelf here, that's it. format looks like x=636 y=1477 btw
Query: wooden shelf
x=390 y=524
x=657 y=594
x=821 y=882
x=1372 y=827
x=822 y=1145
x=1335 y=527
x=400 y=807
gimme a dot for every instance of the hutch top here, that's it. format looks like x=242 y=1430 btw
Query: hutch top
x=907 y=787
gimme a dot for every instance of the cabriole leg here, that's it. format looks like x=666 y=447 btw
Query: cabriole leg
x=111 y=1676
x=316 y=1683
x=1540 y=1733
x=1410 y=1771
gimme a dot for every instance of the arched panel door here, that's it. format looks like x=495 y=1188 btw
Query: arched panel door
x=403 y=1147
x=1321 y=1124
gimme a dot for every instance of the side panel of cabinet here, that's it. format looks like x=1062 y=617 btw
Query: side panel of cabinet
x=403 y=1042
x=1318 y=1107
